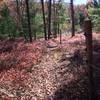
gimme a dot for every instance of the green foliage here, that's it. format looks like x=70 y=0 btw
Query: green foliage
x=96 y=3
x=7 y=24
x=36 y=21
x=95 y=16
x=63 y=16
x=62 y=13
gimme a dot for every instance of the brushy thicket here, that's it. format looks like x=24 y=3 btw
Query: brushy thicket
x=7 y=24
x=94 y=13
x=95 y=16
x=9 y=28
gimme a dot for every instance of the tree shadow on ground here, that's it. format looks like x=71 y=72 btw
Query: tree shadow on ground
x=77 y=90
x=96 y=65
x=6 y=47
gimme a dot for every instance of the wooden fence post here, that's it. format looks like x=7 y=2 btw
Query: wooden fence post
x=88 y=36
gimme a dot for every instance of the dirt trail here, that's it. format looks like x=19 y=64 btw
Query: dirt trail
x=45 y=78
x=50 y=75
x=57 y=76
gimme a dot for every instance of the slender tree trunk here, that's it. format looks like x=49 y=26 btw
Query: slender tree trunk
x=18 y=7
x=22 y=9
x=18 y=15
x=35 y=36
x=28 y=19
x=58 y=24
x=44 y=21
x=72 y=18
x=54 y=22
x=49 y=18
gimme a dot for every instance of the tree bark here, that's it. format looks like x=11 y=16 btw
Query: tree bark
x=18 y=15
x=54 y=20
x=72 y=18
x=28 y=19
x=44 y=21
x=49 y=18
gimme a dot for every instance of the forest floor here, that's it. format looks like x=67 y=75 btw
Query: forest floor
x=45 y=70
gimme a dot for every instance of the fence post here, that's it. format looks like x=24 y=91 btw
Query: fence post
x=89 y=52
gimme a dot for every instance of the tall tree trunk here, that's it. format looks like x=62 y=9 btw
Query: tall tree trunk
x=54 y=20
x=44 y=21
x=35 y=36
x=17 y=7
x=72 y=18
x=22 y=10
x=49 y=18
x=58 y=24
x=28 y=19
x=18 y=15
